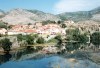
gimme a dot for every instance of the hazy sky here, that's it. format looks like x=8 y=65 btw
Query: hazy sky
x=51 y=6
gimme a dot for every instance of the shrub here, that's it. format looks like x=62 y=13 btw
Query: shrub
x=40 y=40
x=81 y=38
x=2 y=25
x=52 y=40
x=95 y=38
x=28 y=38
x=6 y=44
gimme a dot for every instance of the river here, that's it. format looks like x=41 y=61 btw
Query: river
x=34 y=60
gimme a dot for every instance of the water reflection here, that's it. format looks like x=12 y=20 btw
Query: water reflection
x=51 y=62
x=29 y=58
x=4 y=58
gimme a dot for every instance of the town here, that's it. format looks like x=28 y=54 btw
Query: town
x=49 y=31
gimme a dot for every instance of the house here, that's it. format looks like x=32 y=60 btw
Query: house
x=3 y=31
x=16 y=32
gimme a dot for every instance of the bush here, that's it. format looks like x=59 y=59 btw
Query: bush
x=72 y=31
x=72 y=46
x=28 y=38
x=48 y=22
x=95 y=38
x=81 y=38
x=6 y=44
x=40 y=40
x=58 y=37
x=19 y=37
x=63 y=25
x=75 y=35
x=52 y=40
x=2 y=25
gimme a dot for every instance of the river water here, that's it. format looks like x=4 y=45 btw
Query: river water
x=44 y=61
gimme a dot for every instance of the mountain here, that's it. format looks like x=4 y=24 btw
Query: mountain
x=2 y=13
x=81 y=15
x=75 y=16
x=95 y=11
x=44 y=16
x=23 y=16
x=95 y=14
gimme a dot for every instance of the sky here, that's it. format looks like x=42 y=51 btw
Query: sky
x=50 y=6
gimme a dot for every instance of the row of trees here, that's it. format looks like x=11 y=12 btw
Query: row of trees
x=6 y=44
x=73 y=35
x=76 y=35
x=74 y=38
x=30 y=39
x=51 y=22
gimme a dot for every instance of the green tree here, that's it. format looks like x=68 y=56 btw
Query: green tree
x=48 y=22
x=72 y=31
x=95 y=38
x=59 y=22
x=6 y=44
x=40 y=40
x=59 y=39
x=29 y=24
x=81 y=38
x=72 y=46
x=29 y=39
x=63 y=25
x=19 y=37
x=75 y=35
x=3 y=25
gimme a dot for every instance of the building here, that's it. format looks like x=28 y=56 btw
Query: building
x=3 y=31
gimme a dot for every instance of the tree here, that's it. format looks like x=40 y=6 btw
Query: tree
x=10 y=26
x=75 y=35
x=40 y=40
x=48 y=22
x=72 y=31
x=34 y=35
x=63 y=25
x=72 y=46
x=3 y=25
x=19 y=37
x=29 y=39
x=95 y=38
x=59 y=39
x=6 y=44
x=29 y=24
x=81 y=38
x=59 y=22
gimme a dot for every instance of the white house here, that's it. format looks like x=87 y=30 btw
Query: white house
x=3 y=31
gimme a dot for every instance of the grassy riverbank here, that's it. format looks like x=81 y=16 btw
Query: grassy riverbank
x=32 y=46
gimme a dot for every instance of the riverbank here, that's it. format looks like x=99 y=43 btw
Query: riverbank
x=35 y=45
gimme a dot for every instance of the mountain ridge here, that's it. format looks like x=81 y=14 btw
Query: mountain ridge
x=81 y=15
x=25 y=16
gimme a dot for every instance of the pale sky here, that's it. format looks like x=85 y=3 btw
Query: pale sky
x=51 y=6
